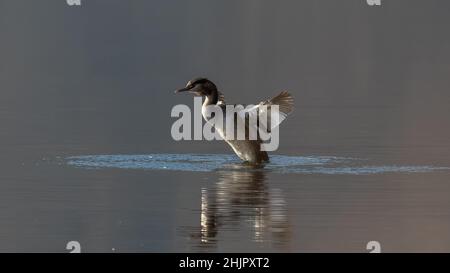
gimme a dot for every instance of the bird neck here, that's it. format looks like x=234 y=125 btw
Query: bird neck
x=212 y=98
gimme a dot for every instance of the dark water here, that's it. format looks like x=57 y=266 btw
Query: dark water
x=86 y=153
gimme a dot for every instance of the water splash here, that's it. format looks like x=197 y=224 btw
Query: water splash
x=213 y=162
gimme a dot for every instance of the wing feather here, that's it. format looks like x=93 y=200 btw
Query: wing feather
x=285 y=104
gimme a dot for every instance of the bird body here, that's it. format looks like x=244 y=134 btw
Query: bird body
x=248 y=149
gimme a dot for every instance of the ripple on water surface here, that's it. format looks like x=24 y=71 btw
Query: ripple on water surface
x=212 y=162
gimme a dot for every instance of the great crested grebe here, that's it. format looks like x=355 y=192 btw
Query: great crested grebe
x=248 y=149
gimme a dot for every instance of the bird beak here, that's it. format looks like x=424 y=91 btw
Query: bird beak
x=182 y=90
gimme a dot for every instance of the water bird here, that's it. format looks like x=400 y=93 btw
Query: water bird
x=249 y=150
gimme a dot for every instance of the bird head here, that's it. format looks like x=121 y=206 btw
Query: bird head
x=199 y=87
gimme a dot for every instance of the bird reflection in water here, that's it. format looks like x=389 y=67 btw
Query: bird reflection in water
x=242 y=199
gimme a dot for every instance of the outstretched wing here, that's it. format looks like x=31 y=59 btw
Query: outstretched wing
x=285 y=104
